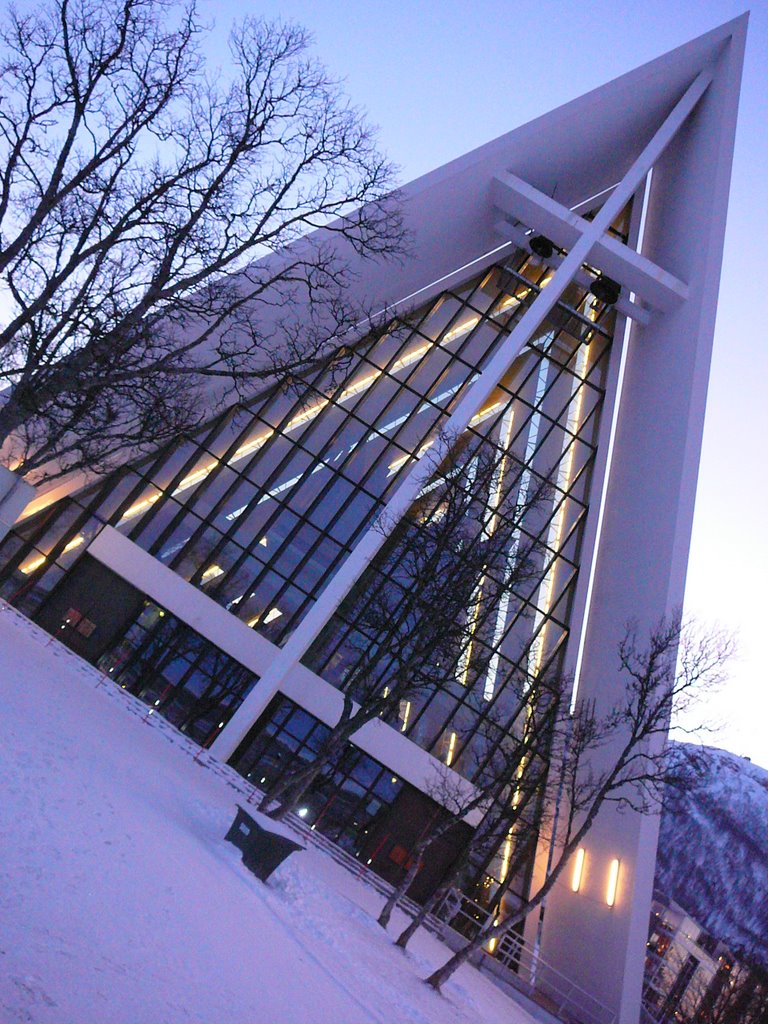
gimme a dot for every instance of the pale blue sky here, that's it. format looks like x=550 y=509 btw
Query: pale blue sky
x=440 y=78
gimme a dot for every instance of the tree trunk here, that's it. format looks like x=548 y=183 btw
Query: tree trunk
x=400 y=891
x=405 y=936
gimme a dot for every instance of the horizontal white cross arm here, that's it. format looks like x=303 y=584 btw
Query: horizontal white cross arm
x=630 y=309
x=520 y=200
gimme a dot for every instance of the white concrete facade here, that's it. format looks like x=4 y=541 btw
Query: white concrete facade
x=668 y=128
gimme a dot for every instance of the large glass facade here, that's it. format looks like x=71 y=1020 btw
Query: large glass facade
x=179 y=673
x=351 y=795
x=262 y=506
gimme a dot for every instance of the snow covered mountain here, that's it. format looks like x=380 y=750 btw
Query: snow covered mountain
x=713 y=851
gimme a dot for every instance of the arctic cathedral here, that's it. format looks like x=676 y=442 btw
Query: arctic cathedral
x=557 y=309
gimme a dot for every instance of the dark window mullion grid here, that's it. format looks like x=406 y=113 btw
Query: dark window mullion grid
x=546 y=666
x=353 y=624
x=226 y=535
x=464 y=740
x=373 y=468
x=277 y=436
x=560 y=371
x=553 y=420
x=525 y=425
x=523 y=605
x=29 y=545
x=69 y=533
x=519 y=664
x=437 y=344
x=467 y=698
x=486 y=319
x=279 y=432
x=260 y=491
x=199 y=490
x=92 y=497
x=220 y=424
x=282 y=505
x=142 y=482
x=48 y=519
x=334 y=468
x=144 y=519
x=342 y=425
x=543 y=531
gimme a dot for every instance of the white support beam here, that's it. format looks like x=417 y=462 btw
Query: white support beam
x=624 y=305
x=468 y=406
x=517 y=199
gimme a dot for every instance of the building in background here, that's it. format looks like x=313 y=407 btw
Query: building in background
x=693 y=978
x=558 y=304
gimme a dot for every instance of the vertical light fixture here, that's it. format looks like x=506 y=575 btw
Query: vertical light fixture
x=578 y=869
x=451 y=751
x=613 y=882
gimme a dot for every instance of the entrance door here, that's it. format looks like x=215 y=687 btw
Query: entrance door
x=89 y=608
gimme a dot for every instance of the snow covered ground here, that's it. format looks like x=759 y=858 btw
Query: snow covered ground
x=120 y=902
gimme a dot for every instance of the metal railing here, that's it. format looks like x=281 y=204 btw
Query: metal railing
x=526 y=970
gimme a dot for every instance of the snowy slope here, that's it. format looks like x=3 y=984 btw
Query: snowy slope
x=713 y=851
x=120 y=902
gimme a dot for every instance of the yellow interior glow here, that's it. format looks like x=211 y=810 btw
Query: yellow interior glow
x=212 y=572
x=492 y=943
x=613 y=882
x=563 y=483
x=405 y=714
x=578 y=869
x=41 y=559
x=451 y=749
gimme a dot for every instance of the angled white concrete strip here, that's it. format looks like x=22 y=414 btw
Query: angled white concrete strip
x=472 y=401
x=536 y=210
x=381 y=741
x=639 y=570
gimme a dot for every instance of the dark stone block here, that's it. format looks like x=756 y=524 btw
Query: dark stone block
x=263 y=851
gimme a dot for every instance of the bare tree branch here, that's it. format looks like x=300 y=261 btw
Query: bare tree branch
x=156 y=219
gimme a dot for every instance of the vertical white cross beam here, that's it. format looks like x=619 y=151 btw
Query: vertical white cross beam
x=473 y=400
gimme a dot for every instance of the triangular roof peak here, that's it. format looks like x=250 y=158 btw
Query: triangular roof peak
x=575 y=151
x=566 y=148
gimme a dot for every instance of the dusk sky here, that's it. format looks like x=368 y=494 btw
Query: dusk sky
x=442 y=78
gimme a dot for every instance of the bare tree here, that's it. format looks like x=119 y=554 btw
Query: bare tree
x=737 y=995
x=662 y=678
x=139 y=191
x=409 y=620
x=514 y=813
x=507 y=787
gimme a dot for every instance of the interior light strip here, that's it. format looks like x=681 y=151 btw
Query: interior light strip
x=252 y=446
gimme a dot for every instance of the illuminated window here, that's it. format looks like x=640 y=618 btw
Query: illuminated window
x=449 y=747
x=404 y=714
